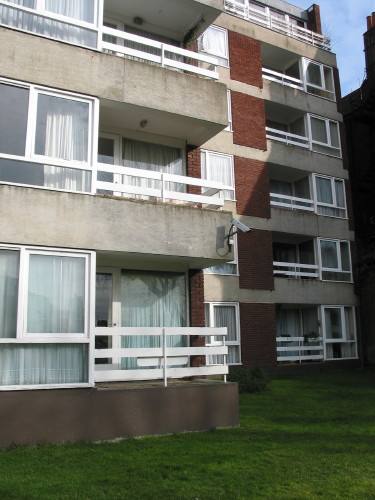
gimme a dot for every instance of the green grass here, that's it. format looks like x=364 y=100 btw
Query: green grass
x=306 y=437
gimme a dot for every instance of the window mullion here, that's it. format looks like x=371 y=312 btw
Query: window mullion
x=31 y=123
x=22 y=293
x=339 y=259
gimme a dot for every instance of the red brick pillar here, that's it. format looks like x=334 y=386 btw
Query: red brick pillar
x=255 y=260
x=193 y=166
x=197 y=316
x=258 y=335
x=245 y=59
x=252 y=187
x=249 y=121
x=314 y=22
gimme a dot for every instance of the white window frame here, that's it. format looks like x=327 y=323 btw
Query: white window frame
x=40 y=10
x=207 y=154
x=223 y=59
x=25 y=338
x=344 y=339
x=313 y=142
x=339 y=260
x=229 y=127
x=211 y=324
x=334 y=205
x=305 y=63
x=30 y=157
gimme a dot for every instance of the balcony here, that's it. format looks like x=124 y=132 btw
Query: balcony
x=294 y=257
x=292 y=127
x=122 y=364
x=289 y=70
x=264 y=16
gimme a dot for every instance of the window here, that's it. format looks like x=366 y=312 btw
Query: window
x=219 y=168
x=324 y=135
x=230 y=120
x=340 y=336
x=214 y=41
x=225 y=315
x=319 y=79
x=70 y=21
x=335 y=260
x=228 y=268
x=45 y=138
x=330 y=196
x=44 y=311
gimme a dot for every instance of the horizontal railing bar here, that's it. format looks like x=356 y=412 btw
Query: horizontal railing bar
x=282 y=76
x=289 y=134
x=296 y=339
x=292 y=198
x=300 y=358
x=132 y=172
x=194 y=198
x=300 y=348
x=296 y=264
x=291 y=205
x=157 y=331
x=127 y=189
x=157 y=352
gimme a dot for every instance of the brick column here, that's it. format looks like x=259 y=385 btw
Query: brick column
x=193 y=166
x=258 y=335
x=252 y=187
x=245 y=59
x=255 y=260
x=314 y=22
x=249 y=121
x=197 y=316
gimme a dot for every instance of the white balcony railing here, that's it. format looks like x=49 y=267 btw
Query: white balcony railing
x=265 y=18
x=135 y=182
x=288 y=138
x=299 y=349
x=162 y=54
x=295 y=270
x=161 y=362
x=292 y=202
x=283 y=79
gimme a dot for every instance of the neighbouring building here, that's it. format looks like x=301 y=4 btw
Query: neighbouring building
x=359 y=116
x=132 y=134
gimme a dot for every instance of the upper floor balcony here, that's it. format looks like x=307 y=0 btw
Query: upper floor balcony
x=276 y=20
x=306 y=130
x=290 y=70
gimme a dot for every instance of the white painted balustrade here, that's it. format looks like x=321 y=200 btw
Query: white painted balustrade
x=299 y=349
x=275 y=76
x=292 y=202
x=295 y=270
x=166 y=187
x=161 y=362
x=288 y=138
x=250 y=12
x=163 y=54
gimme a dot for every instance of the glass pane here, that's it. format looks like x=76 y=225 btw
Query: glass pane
x=35 y=174
x=218 y=168
x=334 y=134
x=324 y=190
x=318 y=130
x=62 y=128
x=106 y=154
x=225 y=317
x=14 y=102
x=345 y=255
x=56 y=294
x=83 y=10
x=43 y=364
x=214 y=42
x=103 y=307
x=14 y=18
x=31 y=4
x=340 y=194
x=329 y=254
x=333 y=324
x=313 y=74
x=328 y=77
x=350 y=323
x=9 y=268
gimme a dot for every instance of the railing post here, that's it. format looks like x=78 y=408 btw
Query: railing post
x=162 y=187
x=162 y=55
x=225 y=362
x=165 y=358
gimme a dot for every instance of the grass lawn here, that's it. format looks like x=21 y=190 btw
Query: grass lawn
x=306 y=437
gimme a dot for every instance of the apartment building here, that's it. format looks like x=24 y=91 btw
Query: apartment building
x=358 y=108
x=139 y=141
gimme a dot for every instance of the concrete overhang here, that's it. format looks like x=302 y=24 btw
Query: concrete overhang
x=176 y=19
x=174 y=104
x=145 y=233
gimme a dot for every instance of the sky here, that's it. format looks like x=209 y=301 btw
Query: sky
x=344 y=21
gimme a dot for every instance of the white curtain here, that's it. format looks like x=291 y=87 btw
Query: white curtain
x=334 y=327
x=152 y=299
x=225 y=317
x=83 y=10
x=56 y=294
x=62 y=132
x=340 y=195
x=9 y=268
x=27 y=21
x=218 y=168
x=214 y=42
x=43 y=364
x=318 y=130
x=153 y=157
x=288 y=324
